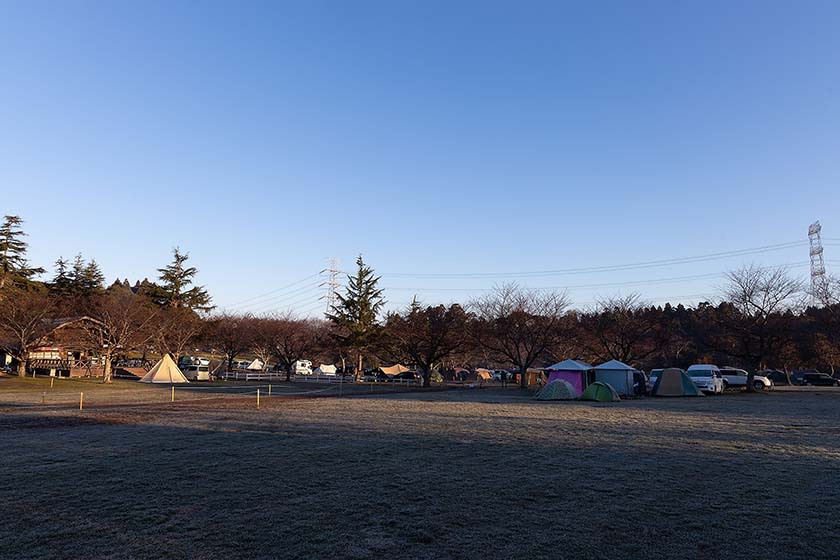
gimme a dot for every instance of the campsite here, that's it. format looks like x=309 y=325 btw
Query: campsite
x=459 y=280
x=415 y=474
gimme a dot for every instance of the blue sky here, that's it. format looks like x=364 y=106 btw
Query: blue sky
x=433 y=137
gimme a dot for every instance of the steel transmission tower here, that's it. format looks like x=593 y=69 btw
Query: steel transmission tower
x=331 y=283
x=818 y=280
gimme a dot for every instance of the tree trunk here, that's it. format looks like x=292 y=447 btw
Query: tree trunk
x=427 y=376
x=359 y=368
x=21 y=368
x=106 y=375
x=289 y=372
x=750 y=382
x=523 y=379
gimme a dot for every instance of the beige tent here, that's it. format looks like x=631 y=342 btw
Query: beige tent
x=483 y=374
x=165 y=371
x=324 y=369
x=394 y=369
x=256 y=365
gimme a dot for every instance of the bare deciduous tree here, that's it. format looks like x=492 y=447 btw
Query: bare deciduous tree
x=425 y=335
x=26 y=317
x=175 y=328
x=763 y=298
x=120 y=321
x=618 y=329
x=232 y=334
x=519 y=325
x=292 y=339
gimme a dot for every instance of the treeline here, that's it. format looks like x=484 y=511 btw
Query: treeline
x=765 y=319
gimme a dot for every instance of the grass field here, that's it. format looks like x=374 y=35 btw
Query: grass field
x=457 y=474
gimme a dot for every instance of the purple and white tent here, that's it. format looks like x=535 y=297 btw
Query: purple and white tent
x=573 y=371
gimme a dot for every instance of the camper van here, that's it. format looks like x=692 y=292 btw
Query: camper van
x=302 y=367
x=196 y=372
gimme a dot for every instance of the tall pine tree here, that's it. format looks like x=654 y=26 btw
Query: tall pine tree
x=356 y=313
x=176 y=287
x=14 y=268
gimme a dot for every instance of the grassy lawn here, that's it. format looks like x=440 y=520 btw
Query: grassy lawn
x=459 y=474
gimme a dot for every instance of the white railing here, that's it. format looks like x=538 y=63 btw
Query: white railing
x=252 y=375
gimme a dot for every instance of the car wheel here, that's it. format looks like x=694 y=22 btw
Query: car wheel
x=758 y=386
x=725 y=385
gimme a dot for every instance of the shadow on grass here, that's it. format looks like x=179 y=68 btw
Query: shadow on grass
x=293 y=490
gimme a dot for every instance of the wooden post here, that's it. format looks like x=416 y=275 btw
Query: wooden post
x=81 y=401
x=44 y=397
x=269 y=389
x=258 y=398
x=173 y=394
x=51 y=382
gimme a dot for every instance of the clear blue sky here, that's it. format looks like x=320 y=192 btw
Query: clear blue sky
x=434 y=137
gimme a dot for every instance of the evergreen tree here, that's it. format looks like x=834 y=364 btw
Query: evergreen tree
x=355 y=314
x=14 y=268
x=176 y=287
x=92 y=280
x=62 y=282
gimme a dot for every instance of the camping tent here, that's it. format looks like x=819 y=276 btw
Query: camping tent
x=256 y=365
x=394 y=369
x=483 y=374
x=325 y=370
x=617 y=374
x=573 y=371
x=165 y=371
x=674 y=382
x=601 y=392
x=557 y=390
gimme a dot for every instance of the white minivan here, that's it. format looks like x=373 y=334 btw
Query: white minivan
x=707 y=377
x=196 y=372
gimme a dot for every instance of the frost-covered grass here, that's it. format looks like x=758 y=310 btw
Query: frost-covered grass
x=460 y=474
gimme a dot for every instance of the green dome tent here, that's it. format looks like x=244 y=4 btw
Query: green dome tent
x=600 y=392
x=674 y=382
x=557 y=390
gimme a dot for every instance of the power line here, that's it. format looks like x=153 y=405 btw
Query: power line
x=280 y=298
x=597 y=285
x=237 y=304
x=290 y=305
x=605 y=268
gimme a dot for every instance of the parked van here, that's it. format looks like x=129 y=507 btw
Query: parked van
x=707 y=377
x=196 y=372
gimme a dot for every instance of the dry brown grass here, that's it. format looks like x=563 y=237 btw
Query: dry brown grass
x=462 y=474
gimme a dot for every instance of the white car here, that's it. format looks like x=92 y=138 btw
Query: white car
x=707 y=377
x=734 y=377
x=196 y=372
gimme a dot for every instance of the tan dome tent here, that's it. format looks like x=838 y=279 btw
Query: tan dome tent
x=674 y=382
x=557 y=390
x=165 y=371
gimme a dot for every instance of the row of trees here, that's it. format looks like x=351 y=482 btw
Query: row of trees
x=762 y=320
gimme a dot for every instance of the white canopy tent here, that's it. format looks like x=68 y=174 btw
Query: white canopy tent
x=324 y=369
x=616 y=374
x=256 y=365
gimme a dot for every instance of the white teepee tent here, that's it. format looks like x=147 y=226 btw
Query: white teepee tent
x=165 y=371
x=256 y=365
